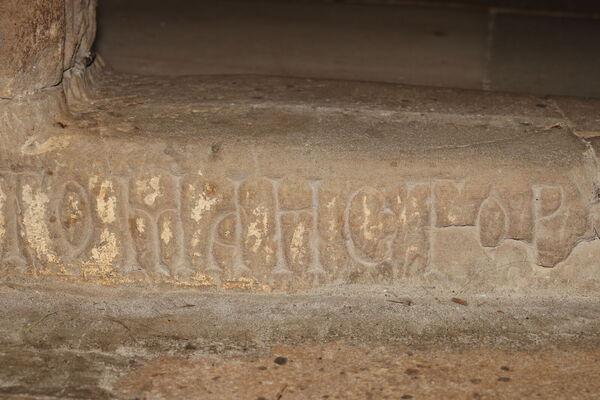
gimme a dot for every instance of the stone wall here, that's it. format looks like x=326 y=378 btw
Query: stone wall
x=32 y=46
x=44 y=51
x=40 y=40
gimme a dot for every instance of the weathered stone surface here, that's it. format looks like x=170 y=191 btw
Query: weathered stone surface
x=80 y=30
x=32 y=45
x=74 y=341
x=41 y=40
x=201 y=182
x=282 y=184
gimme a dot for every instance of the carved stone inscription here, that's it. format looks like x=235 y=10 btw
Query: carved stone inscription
x=276 y=231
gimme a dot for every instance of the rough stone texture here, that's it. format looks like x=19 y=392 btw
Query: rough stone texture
x=40 y=40
x=29 y=118
x=440 y=239
x=338 y=371
x=84 y=342
x=270 y=184
x=80 y=30
x=288 y=184
x=582 y=114
x=44 y=52
x=32 y=45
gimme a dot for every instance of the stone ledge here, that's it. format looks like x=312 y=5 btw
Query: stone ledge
x=289 y=184
x=81 y=341
x=153 y=321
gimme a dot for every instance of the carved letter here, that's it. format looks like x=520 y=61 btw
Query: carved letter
x=560 y=221
x=156 y=226
x=369 y=227
x=492 y=223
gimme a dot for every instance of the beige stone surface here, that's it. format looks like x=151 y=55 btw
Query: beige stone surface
x=339 y=371
x=286 y=238
x=289 y=184
x=87 y=342
x=582 y=113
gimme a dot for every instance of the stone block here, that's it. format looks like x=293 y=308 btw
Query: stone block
x=196 y=182
x=32 y=45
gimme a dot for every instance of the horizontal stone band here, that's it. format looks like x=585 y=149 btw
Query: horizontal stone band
x=344 y=195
